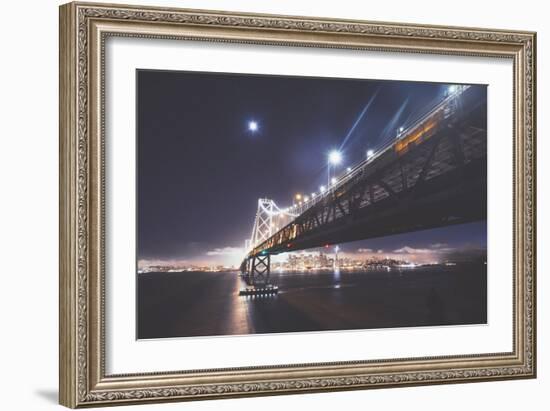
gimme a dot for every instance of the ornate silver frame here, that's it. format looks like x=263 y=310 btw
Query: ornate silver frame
x=83 y=30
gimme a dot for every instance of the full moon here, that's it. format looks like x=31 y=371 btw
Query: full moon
x=252 y=126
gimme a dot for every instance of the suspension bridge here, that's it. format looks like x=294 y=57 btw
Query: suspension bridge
x=433 y=174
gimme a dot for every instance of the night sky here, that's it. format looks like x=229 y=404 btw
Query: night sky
x=201 y=171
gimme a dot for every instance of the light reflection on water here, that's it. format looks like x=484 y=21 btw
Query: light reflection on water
x=337 y=274
x=207 y=304
x=240 y=318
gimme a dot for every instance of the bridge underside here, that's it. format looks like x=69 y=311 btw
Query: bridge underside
x=454 y=198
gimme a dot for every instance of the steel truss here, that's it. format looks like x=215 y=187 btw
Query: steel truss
x=259 y=270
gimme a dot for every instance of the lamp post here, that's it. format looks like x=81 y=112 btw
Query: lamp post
x=297 y=202
x=334 y=158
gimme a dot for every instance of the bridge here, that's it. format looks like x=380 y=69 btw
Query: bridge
x=433 y=174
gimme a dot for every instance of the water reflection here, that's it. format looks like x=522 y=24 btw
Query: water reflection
x=337 y=274
x=207 y=304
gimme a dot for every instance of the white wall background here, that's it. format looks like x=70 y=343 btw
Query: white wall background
x=28 y=205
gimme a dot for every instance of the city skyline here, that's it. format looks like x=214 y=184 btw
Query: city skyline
x=467 y=241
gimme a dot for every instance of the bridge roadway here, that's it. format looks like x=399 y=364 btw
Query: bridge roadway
x=434 y=175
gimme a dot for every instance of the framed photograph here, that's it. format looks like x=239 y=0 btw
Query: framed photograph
x=258 y=204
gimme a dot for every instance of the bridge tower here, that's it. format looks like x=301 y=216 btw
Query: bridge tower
x=256 y=269
x=263 y=224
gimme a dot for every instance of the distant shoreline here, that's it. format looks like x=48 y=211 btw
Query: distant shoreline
x=319 y=269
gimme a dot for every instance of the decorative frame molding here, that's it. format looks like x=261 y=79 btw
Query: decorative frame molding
x=83 y=30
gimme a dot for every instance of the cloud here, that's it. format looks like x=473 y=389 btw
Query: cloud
x=364 y=250
x=224 y=251
x=380 y=251
x=466 y=254
x=145 y=263
x=410 y=250
x=438 y=245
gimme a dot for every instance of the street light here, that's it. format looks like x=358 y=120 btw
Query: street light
x=399 y=132
x=452 y=88
x=333 y=180
x=334 y=158
x=370 y=153
x=322 y=189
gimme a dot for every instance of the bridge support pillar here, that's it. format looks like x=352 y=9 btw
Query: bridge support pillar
x=258 y=270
